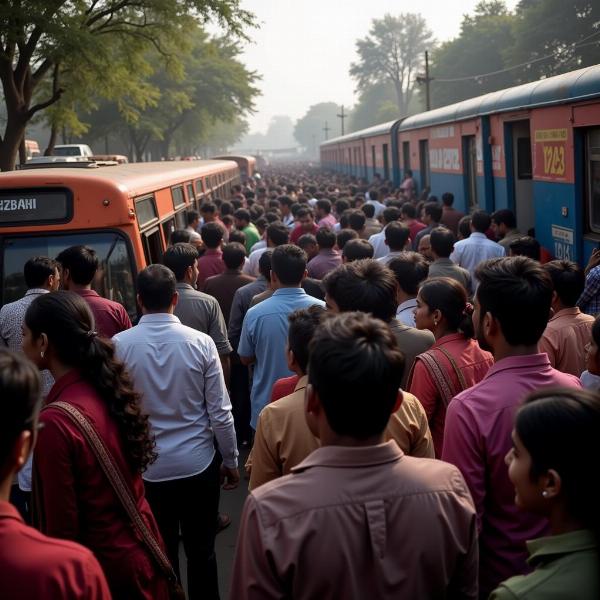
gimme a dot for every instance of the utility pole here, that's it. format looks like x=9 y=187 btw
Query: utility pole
x=326 y=129
x=426 y=79
x=342 y=116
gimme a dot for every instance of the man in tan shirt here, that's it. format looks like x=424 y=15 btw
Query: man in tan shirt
x=358 y=518
x=283 y=438
x=568 y=330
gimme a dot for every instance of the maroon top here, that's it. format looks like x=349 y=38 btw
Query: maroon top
x=110 y=317
x=209 y=264
x=74 y=500
x=299 y=231
x=35 y=566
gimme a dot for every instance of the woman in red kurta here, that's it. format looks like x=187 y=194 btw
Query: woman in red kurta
x=455 y=362
x=74 y=500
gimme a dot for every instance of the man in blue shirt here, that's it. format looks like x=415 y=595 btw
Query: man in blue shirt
x=265 y=327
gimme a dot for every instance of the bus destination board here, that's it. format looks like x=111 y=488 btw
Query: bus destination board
x=35 y=205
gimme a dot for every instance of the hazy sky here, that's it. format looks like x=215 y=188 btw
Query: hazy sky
x=304 y=48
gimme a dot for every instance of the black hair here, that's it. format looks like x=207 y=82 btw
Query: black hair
x=364 y=285
x=354 y=357
x=409 y=210
x=344 y=236
x=357 y=219
x=448 y=198
x=236 y=235
x=212 y=234
x=67 y=321
x=568 y=280
x=505 y=216
x=234 y=255
x=357 y=249
x=242 y=214
x=373 y=194
x=156 y=287
x=433 y=210
x=180 y=235
x=307 y=239
x=369 y=210
x=526 y=246
x=264 y=264
x=288 y=262
x=396 y=236
x=410 y=269
x=302 y=325
x=304 y=212
x=341 y=205
x=391 y=214
x=285 y=200
x=278 y=233
x=480 y=220
x=442 y=241
x=208 y=207
x=518 y=293
x=37 y=270
x=464 y=226
x=226 y=208
x=82 y=263
x=451 y=299
x=191 y=216
x=179 y=257
x=325 y=238
x=324 y=204
x=273 y=216
x=19 y=399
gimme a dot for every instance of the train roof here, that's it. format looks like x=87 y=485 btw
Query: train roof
x=568 y=87
x=248 y=157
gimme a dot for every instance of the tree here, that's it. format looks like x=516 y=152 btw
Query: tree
x=480 y=48
x=36 y=36
x=393 y=52
x=309 y=130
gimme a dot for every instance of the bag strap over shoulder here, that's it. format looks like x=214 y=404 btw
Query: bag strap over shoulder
x=443 y=382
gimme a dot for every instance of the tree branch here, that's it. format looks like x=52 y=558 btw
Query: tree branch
x=37 y=107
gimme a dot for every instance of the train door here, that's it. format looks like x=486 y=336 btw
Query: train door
x=424 y=163
x=592 y=179
x=386 y=163
x=373 y=161
x=519 y=171
x=405 y=157
x=469 y=145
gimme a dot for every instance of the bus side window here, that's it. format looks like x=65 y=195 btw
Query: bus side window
x=153 y=250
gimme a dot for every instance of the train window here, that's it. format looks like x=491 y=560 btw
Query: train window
x=524 y=170
x=177 y=195
x=199 y=186
x=115 y=276
x=180 y=219
x=406 y=156
x=153 y=250
x=424 y=162
x=190 y=191
x=168 y=228
x=145 y=209
x=386 y=162
x=593 y=178
x=373 y=159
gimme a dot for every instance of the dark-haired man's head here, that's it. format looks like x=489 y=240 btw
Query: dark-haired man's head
x=344 y=236
x=212 y=235
x=79 y=265
x=396 y=236
x=42 y=272
x=209 y=212
x=302 y=325
x=157 y=289
x=288 y=266
x=464 y=227
x=448 y=198
x=341 y=205
x=325 y=238
x=352 y=357
x=432 y=213
x=525 y=246
x=364 y=285
x=234 y=255
x=408 y=211
x=357 y=221
x=308 y=243
x=322 y=208
x=480 y=221
x=306 y=219
x=180 y=236
x=512 y=305
x=442 y=242
x=264 y=264
x=192 y=218
x=369 y=210
x=277 y=235
x=241 y=218
x=503 y=221
x=357 y=249
x=409 y=270
x=182 y=259
x=568 y=280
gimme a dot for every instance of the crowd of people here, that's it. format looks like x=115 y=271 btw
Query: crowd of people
x=416 y=391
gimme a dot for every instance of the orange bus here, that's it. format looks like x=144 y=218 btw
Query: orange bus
x=247 y=164
x=125 y=212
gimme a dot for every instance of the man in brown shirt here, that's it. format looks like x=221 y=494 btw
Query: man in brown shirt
x=357 y=519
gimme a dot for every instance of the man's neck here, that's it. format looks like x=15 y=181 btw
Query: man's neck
x=75 y=287
x=330 y=438
x=506 y=351
x=404 y=297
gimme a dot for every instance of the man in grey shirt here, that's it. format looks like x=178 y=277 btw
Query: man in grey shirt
x=442 y=244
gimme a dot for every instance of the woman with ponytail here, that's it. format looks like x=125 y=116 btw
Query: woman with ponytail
x=73 y=498
x=455 y=362
x=556 y=433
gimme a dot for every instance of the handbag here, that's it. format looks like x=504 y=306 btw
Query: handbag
x=117 y=481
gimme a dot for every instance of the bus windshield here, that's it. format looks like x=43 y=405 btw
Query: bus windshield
x=114 y=279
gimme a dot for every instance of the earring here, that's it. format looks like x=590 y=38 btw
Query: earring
x=545 y=493
x=434 y=323
x=42 y=354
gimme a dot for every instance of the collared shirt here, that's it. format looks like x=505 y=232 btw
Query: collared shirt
x=415 y=227
x=260 y=245
x=566 y=566
x=389 y=257
x=509 y=238
x=195 y=236
x=327 y=221
x=110 y=317
x=372 y=226
x=411 y=342
x=202 y=312
x=209 y=264
x=380 y=248
x=240 y=305
x=252 y=236
x=35 y=566
x=264 y=336
x=299 y=231
x=477 y=437
x=223 y=287
x=406 y=312
x=349 y=539
x=567 y=334
x=178 y=371
x=428 y=229
x=444 y=267
x=325 y=261
x=288 y=220
x=251 y=265
x=379 y=207
x=450 y=218
x=468 y=253
x=589 y=301
x=284 y=440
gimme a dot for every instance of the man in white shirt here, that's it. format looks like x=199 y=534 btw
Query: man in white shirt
x=468 y=253
x=390 y=214
x=410 y=269
x=372 y=197
x=277 y=234
x=178 y=372
x=397 y=239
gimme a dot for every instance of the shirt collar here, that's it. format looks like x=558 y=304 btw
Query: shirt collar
x=555 y=545
x=69 y=378
x=181 y=285
x=451 y=337
x=328 y=252
x=36 y=291
x=159 y=318
x=533 y=361
x=442 y=261
x=289 y=291
x=477 y=234
x=573 y=310
x=301 y=383
x=213 y=252
x=87 y=293
x=343 y=456
x=411 y=303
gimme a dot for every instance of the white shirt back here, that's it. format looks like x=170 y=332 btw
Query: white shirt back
x=468 y=253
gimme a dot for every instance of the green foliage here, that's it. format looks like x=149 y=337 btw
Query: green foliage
x=309 y=130
x=393 y=53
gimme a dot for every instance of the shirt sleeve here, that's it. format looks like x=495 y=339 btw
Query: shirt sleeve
x=592 y=287
x=235 y=320
x=218 y=330
x=253 y=575
x=545 y=345
x=246 y=346
x=218 y=407
x=125 y=320
x=422 y=386
x=461 y=448
x=265 y=462
x=408 y=427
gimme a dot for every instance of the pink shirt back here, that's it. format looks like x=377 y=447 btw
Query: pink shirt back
x=477 y=437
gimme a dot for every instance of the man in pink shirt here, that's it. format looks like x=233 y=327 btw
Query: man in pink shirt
x=323 y=214
x=211 y=262
x=512 y=306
